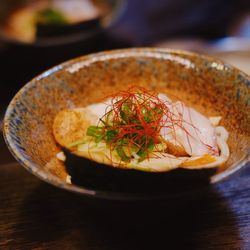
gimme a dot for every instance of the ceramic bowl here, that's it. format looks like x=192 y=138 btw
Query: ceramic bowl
x=208 y=84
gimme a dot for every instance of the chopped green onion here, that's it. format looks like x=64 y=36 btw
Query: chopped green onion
x=96 y=132
x=110 y=135
x=51 y=16
x=145 y=150
x=120 y=151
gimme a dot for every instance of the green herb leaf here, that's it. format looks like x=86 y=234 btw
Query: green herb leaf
x=120 y=151
x=145 y=150
x=51 y=16
x=96 y=132
x=122 y=142
x=123 y=116
x=110 y=135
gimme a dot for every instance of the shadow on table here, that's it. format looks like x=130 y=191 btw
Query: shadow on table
x=54 y=218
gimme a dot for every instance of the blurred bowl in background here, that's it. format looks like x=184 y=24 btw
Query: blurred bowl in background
x=54 y=22
x=29 y=47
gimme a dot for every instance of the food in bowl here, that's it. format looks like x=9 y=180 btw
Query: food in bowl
x=142 y=130
x=43 y=17
x=206 y=84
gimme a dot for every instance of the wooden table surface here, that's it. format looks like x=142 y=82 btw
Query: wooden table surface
x=35 y=215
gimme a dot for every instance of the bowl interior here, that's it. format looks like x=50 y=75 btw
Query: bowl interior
x=204 y=83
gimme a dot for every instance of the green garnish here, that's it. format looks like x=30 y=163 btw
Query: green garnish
x=51 y=16
x=132 y=124
x=120 y=151
x=145 y=149
x=110 y=135
x=96 y=132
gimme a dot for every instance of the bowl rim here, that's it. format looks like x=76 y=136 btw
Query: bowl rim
x=53 y=41
x=34 y=168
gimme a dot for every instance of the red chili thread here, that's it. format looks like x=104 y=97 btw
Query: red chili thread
x=140 y=101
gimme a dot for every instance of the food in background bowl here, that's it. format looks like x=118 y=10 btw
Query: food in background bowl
x=50 y=18
x=142 y=130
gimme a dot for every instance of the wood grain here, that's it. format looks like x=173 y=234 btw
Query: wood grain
x=35 y=215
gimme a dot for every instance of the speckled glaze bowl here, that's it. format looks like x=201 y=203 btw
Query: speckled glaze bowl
x=207 y=84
